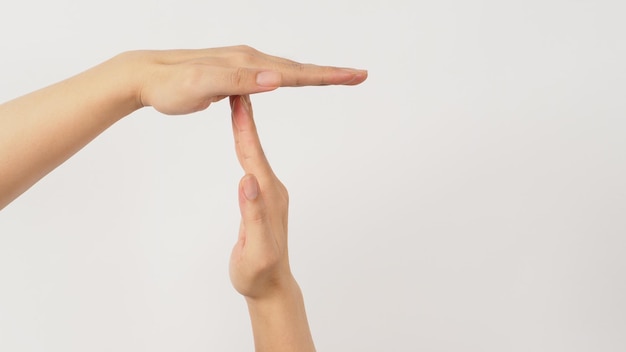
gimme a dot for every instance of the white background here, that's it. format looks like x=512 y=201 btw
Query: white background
x=469 y=196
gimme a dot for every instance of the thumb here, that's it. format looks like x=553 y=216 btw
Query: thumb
x=241 y=81
x=253 y=209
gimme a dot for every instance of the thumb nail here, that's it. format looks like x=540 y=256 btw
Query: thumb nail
x=250 y=188
x=268 y=79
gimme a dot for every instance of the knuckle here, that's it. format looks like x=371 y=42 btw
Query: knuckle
x=285 y=201
x=239 y=77
x=282 y=195
x=296 y=66
x=244 y=48
x=324 y=74
x=300 y=69
x=246 y=59
x=256 y=218
x=257 y=215
x=244 y=55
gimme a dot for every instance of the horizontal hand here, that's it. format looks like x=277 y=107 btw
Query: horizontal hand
x=184 y=81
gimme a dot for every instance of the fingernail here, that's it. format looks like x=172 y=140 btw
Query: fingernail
x=250 y=188
x=268 y=79
x=353 y=75
x=347 y=75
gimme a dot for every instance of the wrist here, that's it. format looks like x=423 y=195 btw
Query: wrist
x=129 y=70
x=279 y=321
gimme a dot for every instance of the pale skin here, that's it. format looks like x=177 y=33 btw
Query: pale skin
x=259 y=263
x=41 y=130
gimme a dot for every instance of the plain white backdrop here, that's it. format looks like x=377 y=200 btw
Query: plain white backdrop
x=469 y=196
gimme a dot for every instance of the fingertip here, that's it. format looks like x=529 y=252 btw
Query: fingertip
x=240 y=110
x=363 y=74
x=359 y=77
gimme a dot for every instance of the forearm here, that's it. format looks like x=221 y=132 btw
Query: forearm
x=279 y=322
x=41 y=130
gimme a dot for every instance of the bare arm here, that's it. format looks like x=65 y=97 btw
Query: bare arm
x=259 y=266
x=41 y=130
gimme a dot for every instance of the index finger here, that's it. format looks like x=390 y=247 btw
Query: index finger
x=295 y=74
x=247 y=144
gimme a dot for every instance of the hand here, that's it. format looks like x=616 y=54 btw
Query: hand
x=184 y=81
x=259 y=264
x=172 y=81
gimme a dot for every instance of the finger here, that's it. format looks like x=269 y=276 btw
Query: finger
x=292 y=73
x=247 y=144
x=255 y=222
x=267 y=76
x=295 y=74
